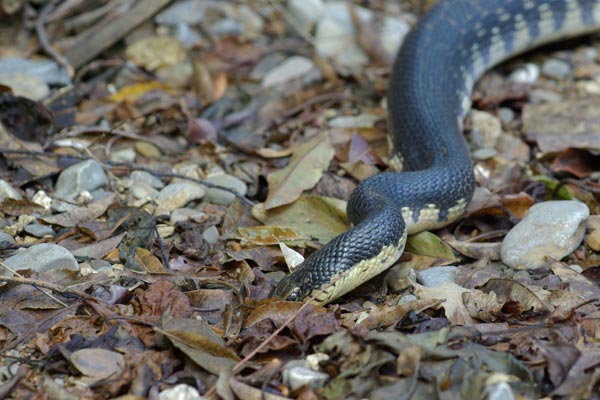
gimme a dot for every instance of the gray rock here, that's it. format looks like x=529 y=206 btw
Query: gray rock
x=40 y=258
x=436 y=276
x=26 y=85
x=143 y=191
x=483 y=154
x=506 y=114
x=147 y=177
x=211 y=235
x=123 y=155
x=186 y=35
x=226 y=27
x=550 y=229
x=39 y=230
x=218 y=196
x=185 y=214
x=485 y=129
x=7 y=191
x=47 y=70
x=5 y=238
x=528 y=73
x=544 y=96
x=180 y=392
x=177 y=195
x=189 y=12
x=557 y=69
x=354 y=121
x=306 y=12
x=392 y=34
x=298 y=376
x=407 y=299
x=335 y=35
x=101 y=265
x=84 y=176
x=293 y=68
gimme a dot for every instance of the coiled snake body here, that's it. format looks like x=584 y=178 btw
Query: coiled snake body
x=429 y=96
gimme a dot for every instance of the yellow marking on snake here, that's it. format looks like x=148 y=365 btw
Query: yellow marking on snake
x=396 y=162
x=362 y=272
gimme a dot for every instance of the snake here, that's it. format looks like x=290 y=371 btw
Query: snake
x=429 y=95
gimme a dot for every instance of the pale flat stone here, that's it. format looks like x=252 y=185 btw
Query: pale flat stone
x=551 y=229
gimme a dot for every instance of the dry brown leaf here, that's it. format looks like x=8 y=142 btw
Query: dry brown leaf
x=98 y=363
x=389 y=315
x=452 y=301
x=304 y=170
x=82 y=214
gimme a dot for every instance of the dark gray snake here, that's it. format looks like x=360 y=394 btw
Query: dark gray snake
x=429 y=95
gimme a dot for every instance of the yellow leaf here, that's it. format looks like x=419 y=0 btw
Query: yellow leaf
x=135 y=91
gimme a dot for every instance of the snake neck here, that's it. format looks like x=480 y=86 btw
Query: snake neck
x=447 y=52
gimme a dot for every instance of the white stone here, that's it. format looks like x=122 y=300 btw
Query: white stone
x=552 y=229
x=295 y=67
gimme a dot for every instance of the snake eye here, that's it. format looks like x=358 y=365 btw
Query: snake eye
x=294 y=294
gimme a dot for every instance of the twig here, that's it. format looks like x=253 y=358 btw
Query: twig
x=45 y=43
x=47 y=285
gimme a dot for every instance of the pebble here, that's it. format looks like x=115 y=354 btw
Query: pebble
x=528 y=73
x=306 y=12
x=252 y=23
x=593 y=240
x=550 y=229
x=486 y=129
x=148 y=178
x=557 y=69
x=177 y=195
x=298 y=376
x=185 y=214
x=484 y=154
x=143 y=191
x=176 y=76
x=47 y=71
x=226 y=27
x=392 y=34
x=499 y=391
x=123 y=155
x=295 y=67
x=222 y=197
x=335 y=36
x=26 y=85
x=40 y=258
x=186 y=35
x=180 y=392
x=147 y=149
x=39 y=230
x=436 y=276
x=506 y=115
x=354 y=121
x=100 y=265
x=84 y=176
x=8 y=192
x=211 y=235
x=6 y=240
x=407 y=299
x=544 y=96
x=190 y=12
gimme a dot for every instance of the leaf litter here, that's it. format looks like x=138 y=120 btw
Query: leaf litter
x=171 y=293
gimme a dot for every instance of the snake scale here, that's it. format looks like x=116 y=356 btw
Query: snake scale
x=429 y=95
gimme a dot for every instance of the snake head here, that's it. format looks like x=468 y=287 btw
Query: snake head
x=288 y=289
